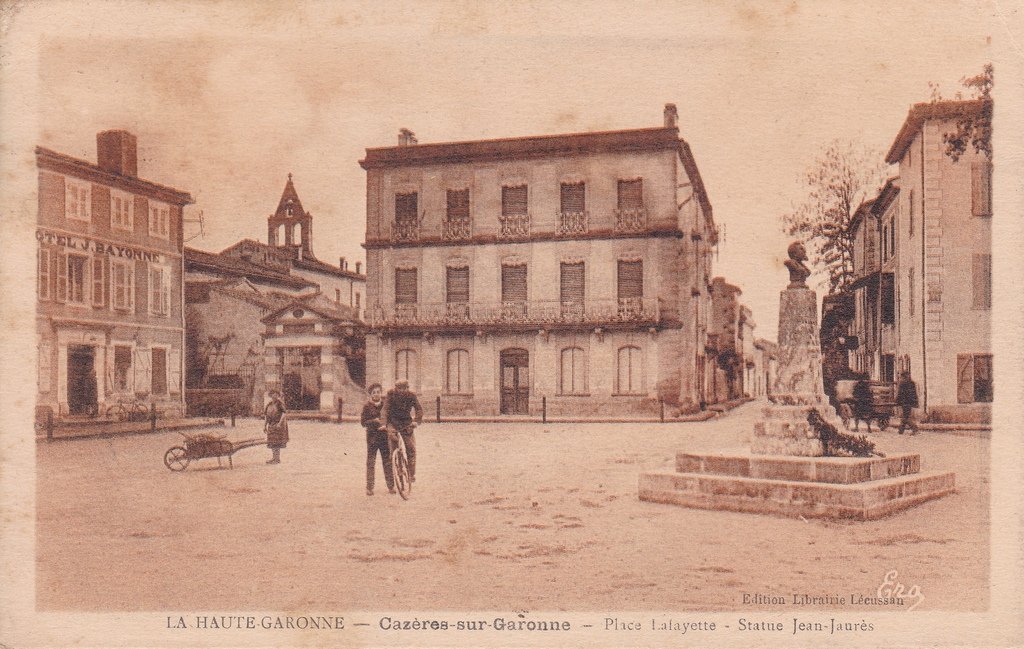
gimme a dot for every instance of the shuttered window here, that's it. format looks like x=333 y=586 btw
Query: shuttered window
x=631 y=279
x=513 y=283
x=981 y=188
x=458 y=372
x=406 y=367
x=458 y=204
x=574 y=197
x=573 y=283
x=631 y=194
x=513 y=200
x=628 y=380
x=405 y=286
x=573 y=378
x=406 y=208
x=974 y=378
x=457 y=282
x=888 y=289
x=982 y=274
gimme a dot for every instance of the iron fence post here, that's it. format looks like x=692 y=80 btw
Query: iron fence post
x=437 y=406
x=544 y=410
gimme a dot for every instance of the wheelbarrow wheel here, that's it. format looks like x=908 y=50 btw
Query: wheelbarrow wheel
x=883 y=422
x=176 y=458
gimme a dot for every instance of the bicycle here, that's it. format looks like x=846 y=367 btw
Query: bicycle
x=133 y=410
x=400 y=464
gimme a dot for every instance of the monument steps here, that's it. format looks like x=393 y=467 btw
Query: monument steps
x=795 y=498
x=832 y=469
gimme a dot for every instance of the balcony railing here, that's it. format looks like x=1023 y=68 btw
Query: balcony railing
x=572 y=222
x=405 y=230
x=455 y=229
x=632 y=219
x=592 y=313
x=514 y=226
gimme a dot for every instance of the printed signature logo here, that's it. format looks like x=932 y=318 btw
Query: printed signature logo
x=892 y=588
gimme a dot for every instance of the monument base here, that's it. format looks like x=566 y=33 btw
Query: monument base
x=812 y=487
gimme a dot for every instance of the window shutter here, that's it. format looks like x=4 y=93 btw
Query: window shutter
x=405 y=286
x=514 y=200
x=458 y=285
x=142 y=376
x=458 y=204
x=982 y=273
x=964 y=378
x=573 y=197
x=888 y=298
x=45 y=351
x=165 y=275
x=130 y=284
x=62 y=277
x=406 y=208
x=174 y=366
x=99 y=281
x=631 y=194
x=573 y=285
x=631 y=279
x=513 y=283
x=981 y=188
x=44 y=273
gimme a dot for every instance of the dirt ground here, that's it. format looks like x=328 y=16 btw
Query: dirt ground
x=518 y=516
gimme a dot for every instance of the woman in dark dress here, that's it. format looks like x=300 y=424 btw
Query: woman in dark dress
x=276 y=426
x=862 y=403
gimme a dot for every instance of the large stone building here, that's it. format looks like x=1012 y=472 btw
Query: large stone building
x=571 y=270
x=922 y=297
x=272 y=316
x=109 y=318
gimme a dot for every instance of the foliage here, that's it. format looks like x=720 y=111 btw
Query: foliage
x=836 y=184
x=973 y=128
x=840 y=443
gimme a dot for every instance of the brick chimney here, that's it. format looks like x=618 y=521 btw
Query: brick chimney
x=406 y=137
x=359 y=268
x=671 y=116
x=342 y=264
x=116 y=151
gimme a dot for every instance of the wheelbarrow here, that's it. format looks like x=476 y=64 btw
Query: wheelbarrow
x=204 y=445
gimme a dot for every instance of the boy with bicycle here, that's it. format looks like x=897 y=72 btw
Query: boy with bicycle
x=402 y=412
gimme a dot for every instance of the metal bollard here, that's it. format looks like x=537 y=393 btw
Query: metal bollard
x=49 y=424
x=152 y=417
x=544 y=410
x=661 y=402
x=232 y=418
x=438 y=409
x=341 y=406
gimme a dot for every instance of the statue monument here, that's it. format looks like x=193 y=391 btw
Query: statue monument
x=800 y=463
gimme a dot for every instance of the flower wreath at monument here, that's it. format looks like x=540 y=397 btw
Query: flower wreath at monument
x=834 y=440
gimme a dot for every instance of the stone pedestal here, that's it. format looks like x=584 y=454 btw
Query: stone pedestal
x=798 y=388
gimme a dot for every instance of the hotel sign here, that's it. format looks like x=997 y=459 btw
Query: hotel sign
x=92 y=245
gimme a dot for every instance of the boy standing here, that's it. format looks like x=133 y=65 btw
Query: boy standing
x=376 y=440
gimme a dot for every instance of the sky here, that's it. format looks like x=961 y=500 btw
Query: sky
x=228 y=98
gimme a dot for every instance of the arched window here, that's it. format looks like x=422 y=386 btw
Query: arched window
x=457 y=367
x=629 y=378
x=407 y=367
x=573 y=374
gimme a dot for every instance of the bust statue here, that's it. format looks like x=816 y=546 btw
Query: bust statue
x=798 y=270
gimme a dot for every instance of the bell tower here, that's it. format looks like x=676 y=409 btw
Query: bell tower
x=289 y=218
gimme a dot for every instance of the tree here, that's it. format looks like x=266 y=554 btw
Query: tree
x=974 y=126
x=837 y=183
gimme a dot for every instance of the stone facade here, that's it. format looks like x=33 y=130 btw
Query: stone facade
x=109 y=321
x=570 y=272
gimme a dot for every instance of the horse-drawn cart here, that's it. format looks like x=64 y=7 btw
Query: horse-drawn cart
x=204 y=445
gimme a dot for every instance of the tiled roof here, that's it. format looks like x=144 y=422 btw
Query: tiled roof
x=920 y=113
x=237 y=267
x=63 y=162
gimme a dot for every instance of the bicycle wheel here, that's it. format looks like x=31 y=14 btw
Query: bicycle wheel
x=176 y=458
x=117 y=411
x=400 y=468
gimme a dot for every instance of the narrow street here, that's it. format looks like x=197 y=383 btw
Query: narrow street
x=499 y=514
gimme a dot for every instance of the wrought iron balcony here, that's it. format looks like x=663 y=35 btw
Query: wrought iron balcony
x=534 y=314
x=514 y=226
x=455 y=229
x=632 y=219
x=405 y=230
x=572 y=222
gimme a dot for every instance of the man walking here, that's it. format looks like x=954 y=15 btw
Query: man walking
x=376 y=440
x=906 y=399
x=402 y=413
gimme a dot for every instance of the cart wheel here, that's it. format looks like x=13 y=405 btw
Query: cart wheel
x=176 y=458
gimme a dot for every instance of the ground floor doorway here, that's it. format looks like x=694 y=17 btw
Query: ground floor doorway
x=82 y=392
x=300 y=377
x=515 y=382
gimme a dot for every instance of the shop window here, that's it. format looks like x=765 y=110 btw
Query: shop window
x=457 y=380
x=573 y=371
x=974 y=378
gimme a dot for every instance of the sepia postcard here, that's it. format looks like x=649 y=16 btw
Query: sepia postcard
x=525 y=324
